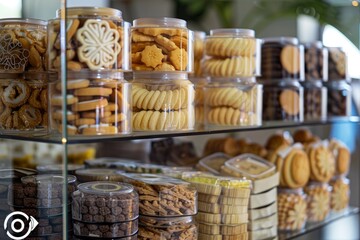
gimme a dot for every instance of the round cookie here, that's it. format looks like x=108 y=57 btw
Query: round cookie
x=296 y=169
x=290 y=101
x=290 y=59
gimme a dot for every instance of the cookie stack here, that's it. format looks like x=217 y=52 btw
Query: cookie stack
x=262 y=205
x=97 y=96
x=232 y=97
x=315 y=95
x=41 y=197
x=338 y=87
x=22 y=76
x=102 y=210
x=282 y=68
x=165 y=204
x=223 y=206
x=161 y=55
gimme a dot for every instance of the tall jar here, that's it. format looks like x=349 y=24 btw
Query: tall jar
x=282 y=67
x=96 y=40
x=338 y=85
x=316 y=71
x=96 y=104
x=161 y=45
x=162 y=102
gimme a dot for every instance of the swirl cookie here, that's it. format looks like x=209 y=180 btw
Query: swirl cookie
x=229 y=67
x=224 y=47
x=228 y=96
x=230 y=117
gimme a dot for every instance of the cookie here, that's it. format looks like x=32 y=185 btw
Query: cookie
x=290 y=101
x=290 y=59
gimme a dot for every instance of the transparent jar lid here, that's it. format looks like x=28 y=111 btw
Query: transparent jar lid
x=227 y=182
x=232 y=32
x=105 y=188
x=91 y=11
x=155 y=179
x=47 y=179
x=59 y=167
x=291 y=40
x=93 y=172
x=199 y=34
x=250 y=165
x=213 y=162
x=11 y=173
x=16 y=22
x=159 y=22
x=316 y=44
x=144 y=75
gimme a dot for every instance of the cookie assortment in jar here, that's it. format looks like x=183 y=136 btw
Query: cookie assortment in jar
x=338 y=98
x=337 y=63
x=170 y=228
x=231 y=53
x=97 y=39
x=315 y=100
x=316 y=61
x=23 y=45
x=232 y=102
x=161 y=45
x=24 y=100
x=282 y=58
x=165 y=103
x=340 y=193
x=318 y=201
x=95 y=104
x=292 y=214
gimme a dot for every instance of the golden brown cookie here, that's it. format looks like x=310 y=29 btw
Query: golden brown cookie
x=290 y=59
x=290 y=101
x=302 y=135
x=152 y=56
x=277 y=140
x=296 y=169
x=322 y=163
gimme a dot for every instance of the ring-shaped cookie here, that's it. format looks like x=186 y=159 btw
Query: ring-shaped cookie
x=16 y=94
x=30 y=116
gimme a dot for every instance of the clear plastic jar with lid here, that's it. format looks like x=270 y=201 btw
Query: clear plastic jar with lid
x=163 y=103
x=161 y=45
x=232 y=53
x=97 y=39
x=97 y=104
x=291 y=209
x=232 y=102
x=338 y=98
x=24 y=99
x=283 y=100
x=282 y=58
x=23 y=45
x=318 y=201
x=316 y=61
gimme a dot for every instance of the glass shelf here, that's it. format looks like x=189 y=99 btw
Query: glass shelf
x=314 y=226
x=56 y=139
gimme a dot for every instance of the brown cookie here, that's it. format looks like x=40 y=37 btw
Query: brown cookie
x=290 y=101
x=290 y=59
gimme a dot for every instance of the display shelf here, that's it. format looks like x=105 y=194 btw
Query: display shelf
x=57 y=139
x=314 y=226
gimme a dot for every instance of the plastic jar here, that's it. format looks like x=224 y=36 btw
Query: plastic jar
x=291 y=209
x=338 y=98
x=98 y=174
x=337 y=63
x=25 y=102
x=199 y=49
x=163 y=228
x=315 y=100
x=97 y=104
x=283 y=100
x=163 y=103
x=282 y=58
x=318 y=201
x=161 y=45
x=232 y=102
x=340 y=193
x=199 y=84
x=23 y=45
x=232 y=53
x=97 y=39
x=316 y=61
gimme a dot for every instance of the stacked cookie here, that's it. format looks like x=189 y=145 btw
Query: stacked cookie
x=24 y=99
x=97 y=96
x=281 y=69
x=41 y=196
x=102 y=210
x=316 y=70
x=166 y=207
x=223 y=204
x=263 y=205
x=162 y=95
x=338 y=87
x=232 y=98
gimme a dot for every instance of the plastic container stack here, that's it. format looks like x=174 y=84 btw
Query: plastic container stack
x=24 y=89
x=41 y=196
x=165 y=203
x=282 y=67
x=232 y=60
x=262 y=210
x=97 y=96
x=105 y=210
x=162 y=57
x=223 y=206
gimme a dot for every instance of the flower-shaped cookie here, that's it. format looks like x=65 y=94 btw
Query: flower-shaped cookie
x=99 y=44
x=319 y=204
x=297 y=215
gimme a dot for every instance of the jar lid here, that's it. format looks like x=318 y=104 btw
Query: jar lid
x=291 y=40
x=159 y=22
x=97 y=172
x=15 y=173
x=155 y=179
x=92 y=11
x=199 y=34
x=105 y=188
x=47 y=179
x=235 y=32
x=146 y=75
x=15 y=22
x=59 y=167
x=316 y=44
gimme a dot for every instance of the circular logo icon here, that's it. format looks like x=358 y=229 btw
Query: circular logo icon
x=18 y=225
